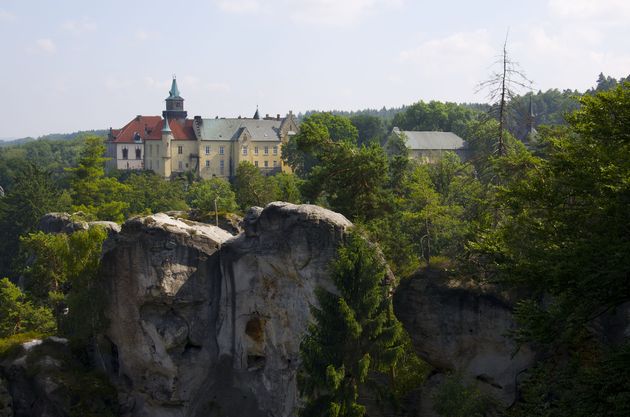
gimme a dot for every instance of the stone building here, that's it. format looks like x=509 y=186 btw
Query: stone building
x=174 y=144
x=428 y=147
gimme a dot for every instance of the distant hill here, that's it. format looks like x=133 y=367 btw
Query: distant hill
x=54 y=137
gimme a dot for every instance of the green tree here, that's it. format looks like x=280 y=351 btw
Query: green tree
x=354 y=336
x=150 y=193
x=562 y=235
x=289 y=187
x=63 y=272
x=32 y=195
x=19 y=315
x=351 y=179
x=92 y=193
x=316 y=132
x=434 y=116
x=371 y=129
x=253 y=188
x=203 y=195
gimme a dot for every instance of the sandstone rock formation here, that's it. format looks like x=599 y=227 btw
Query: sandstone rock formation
x=462 y=329
x=206 y=324
x=66 y=223
x=41 y=378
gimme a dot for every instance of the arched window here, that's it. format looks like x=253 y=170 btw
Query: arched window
x=125 y=153
x=138 y=153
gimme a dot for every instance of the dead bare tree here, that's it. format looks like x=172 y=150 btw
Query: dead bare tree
x=502 y=86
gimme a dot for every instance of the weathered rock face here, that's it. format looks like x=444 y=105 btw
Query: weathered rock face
x=64 y=223
x=206 y=324
x=39 y=378
x=465 y=330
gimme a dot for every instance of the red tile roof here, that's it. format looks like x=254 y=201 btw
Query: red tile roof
x=150 y=128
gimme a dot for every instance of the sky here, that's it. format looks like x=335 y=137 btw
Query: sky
x=71 y=65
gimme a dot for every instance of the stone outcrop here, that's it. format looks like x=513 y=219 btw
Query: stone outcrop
x=203 y=323
x=463 y=329
x=67 y=223
x=41 y=378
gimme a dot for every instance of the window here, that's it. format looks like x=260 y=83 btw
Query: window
x=138 y=153
x=180 y=149
x=221 y=150
x=275 y=164
x=266 y=150
x=255 y=163
x=222 y=166
x=125 y=153
x=207 y=150
x=255 y=150
x=266 y=164
x=207 y=163
x=245 y=150
x=150 y=164
x=275 y=150
x=180 y=165
x=150 y=150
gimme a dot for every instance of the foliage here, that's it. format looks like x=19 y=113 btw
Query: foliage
x=204 y=194
x=93 y=193
x=354 y=336
x=19 y=315
x=316 y=131
x=455 y=399
x=288 y=186
x=435 y=116
x=562 y=235
x=9 y=345
x=564 y=232
x=33 y=195
x=149 y=193
x=371 y=129
x=64 y=273
x=579 y=388
x=352 y=179
x=253 y=188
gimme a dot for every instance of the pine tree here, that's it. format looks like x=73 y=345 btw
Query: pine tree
x=354 y=338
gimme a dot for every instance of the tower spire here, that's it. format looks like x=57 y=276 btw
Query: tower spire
x=166 y=127
x=174 y=92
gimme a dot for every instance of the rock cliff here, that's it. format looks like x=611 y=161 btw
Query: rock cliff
x=462 y=329
x=206 y=324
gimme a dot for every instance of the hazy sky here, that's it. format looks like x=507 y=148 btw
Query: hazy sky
x=71 y=65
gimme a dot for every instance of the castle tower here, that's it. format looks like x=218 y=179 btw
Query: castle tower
x=174 y=104
x=167 y=138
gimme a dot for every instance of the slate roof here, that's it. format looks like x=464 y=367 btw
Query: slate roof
x=150 y=128
x=231 y=129
x=422 y=140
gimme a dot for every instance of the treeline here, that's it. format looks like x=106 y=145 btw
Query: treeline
x=53 y=137
x=526 y=111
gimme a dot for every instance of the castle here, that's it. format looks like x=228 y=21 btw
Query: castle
x=173 y=144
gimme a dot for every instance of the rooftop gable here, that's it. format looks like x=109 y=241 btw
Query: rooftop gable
x=233 y=129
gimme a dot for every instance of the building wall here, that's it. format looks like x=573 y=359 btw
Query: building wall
x=255 y=154
x=212 y=159
x=152 y=156
x=117 y=153
x=181 y=151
